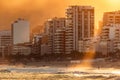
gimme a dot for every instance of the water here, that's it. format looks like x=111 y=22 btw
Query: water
x=36 y=70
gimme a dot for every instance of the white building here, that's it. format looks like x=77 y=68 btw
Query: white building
x=81 y=20
x=20 y=31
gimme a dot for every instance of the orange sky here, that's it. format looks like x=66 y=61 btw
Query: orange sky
x=37 y=11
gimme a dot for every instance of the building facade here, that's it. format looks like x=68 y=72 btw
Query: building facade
x=5 y=43
x=81 y=20
x=69 y=40
x=36 y=45
x=111 y=38
x=111 y=18
x=20 y=31
x=21 y=50
x=51 y=26
x=60 y=41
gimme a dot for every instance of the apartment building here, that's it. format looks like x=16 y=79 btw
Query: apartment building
x=5 y=43
x=111 y=18
x=111 y=37
x=81 y=20
x=60 y=41
x=51 y=26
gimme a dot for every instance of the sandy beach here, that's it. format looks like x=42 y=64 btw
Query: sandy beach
x=99 y=69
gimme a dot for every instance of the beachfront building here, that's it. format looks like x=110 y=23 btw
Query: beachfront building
x=110 y=38
x=111 y=18
x=87 y=45
x=40 y=44
x=21 y=50
x=51 y=26
x=79 y=26
x=5 y=43
x=68 y=40
x=36 y=45
x=20 y=31
x=60 y=41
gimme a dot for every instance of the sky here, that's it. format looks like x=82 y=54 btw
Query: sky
x=38 y=11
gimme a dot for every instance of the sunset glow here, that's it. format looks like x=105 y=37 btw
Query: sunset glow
x=60 y=39
x=37 y=10
x=114 y=1
x=13 y=3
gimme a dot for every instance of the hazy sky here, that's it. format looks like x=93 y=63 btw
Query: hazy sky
x=37 y=11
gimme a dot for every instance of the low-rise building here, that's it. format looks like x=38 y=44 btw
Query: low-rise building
x=23 y=50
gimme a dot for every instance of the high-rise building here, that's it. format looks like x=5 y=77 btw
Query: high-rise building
x=20 y=31
x=81 y=20
x=111 y=18
x=50 y=29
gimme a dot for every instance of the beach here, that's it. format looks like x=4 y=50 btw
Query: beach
x=99 y=69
